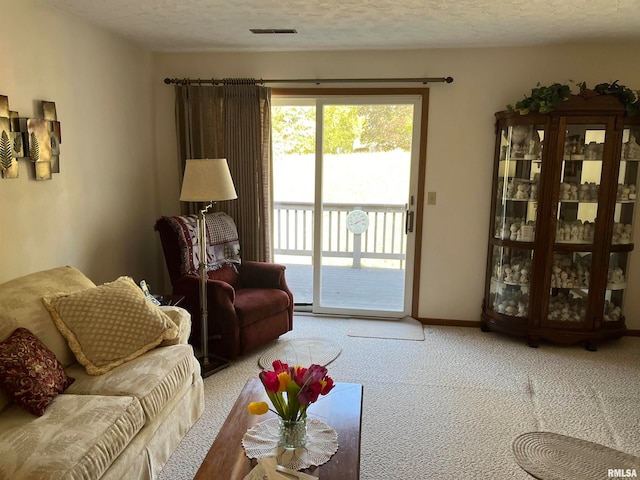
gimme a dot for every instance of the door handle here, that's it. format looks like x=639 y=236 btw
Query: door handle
x=408 y=227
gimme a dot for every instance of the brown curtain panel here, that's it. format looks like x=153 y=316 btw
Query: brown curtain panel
x=232 y=121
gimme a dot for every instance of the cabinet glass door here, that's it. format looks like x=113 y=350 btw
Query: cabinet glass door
x=622 y=241
x=514 y=226
x=577 y=213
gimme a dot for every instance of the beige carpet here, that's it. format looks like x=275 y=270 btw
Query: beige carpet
x=450 y=407
x=406 y=328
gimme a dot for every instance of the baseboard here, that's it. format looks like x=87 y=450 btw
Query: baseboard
x=448 y=322
x=470 y=323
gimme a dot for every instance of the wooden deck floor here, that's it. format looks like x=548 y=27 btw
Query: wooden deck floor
x=346 y=287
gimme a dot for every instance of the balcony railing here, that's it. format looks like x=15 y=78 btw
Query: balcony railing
x=383 y=241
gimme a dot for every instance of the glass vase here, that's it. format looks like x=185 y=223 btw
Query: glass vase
x=293 y=433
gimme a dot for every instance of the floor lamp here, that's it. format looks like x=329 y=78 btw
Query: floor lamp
x=206 y=180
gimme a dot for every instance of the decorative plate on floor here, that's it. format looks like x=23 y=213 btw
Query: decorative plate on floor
x=550 y=456
x=302 y=351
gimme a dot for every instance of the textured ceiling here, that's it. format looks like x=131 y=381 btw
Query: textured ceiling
x=207 y=25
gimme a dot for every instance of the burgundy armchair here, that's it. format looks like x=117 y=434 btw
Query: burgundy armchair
x=248 y=303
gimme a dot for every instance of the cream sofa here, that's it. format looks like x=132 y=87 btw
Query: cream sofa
x=123 y=424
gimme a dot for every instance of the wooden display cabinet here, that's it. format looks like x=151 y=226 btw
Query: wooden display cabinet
x=564 y=196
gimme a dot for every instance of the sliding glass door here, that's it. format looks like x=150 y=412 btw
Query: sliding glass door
x=345 y=186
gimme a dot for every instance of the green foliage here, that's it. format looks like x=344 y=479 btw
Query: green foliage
x=543 y=99
x=628 y=97
x=385 y=127
x=6 y=156
x=34 y=148
x=294 y=129
x=388 y=127
x=342 y=126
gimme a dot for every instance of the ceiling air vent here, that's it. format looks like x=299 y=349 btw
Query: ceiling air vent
x=272 y=31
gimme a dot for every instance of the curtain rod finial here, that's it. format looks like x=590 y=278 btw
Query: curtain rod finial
x=448 y=79
x=167 y=81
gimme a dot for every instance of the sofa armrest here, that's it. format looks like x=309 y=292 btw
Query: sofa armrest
x=182 y=319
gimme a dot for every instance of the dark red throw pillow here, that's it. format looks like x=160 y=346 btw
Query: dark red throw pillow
x=30 y=373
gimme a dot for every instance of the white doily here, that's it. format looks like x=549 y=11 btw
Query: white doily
x=261 y=441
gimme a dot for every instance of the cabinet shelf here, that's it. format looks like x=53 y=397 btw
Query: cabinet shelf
x=512 y=243
x=621 y=247
x=513 y=199
x=573 y=247
x=581 y=180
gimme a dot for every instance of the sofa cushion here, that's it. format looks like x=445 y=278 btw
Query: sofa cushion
x=21 y=306
x=29 y=372
x=109 y=325
x=78 y=437
x=153 y=378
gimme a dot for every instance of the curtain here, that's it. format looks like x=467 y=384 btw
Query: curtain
x=232 y=121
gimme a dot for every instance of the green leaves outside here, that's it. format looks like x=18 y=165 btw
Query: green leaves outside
x=346 y=128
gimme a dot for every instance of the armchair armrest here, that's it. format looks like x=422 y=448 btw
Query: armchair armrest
x=222 y=319
x=266 y=275
x=217 y=290
x=262 y=275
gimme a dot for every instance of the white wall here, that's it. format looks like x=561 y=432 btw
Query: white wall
x=98 y=212
x=460 y=140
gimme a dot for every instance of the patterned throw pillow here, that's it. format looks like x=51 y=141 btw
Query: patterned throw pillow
x=29 y=372
x=109 y=325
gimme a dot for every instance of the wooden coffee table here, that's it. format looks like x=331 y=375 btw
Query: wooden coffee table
x=341 y=409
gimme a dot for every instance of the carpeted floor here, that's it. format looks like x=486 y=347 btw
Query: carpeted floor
x=406 y=328
x=449 y=407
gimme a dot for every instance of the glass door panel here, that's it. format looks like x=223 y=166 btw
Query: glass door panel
x=516 y=212
x=345 y=185
x=509 y=292
x=366 y=188
x=623 y=225
x=293 y=147
x=577 y=212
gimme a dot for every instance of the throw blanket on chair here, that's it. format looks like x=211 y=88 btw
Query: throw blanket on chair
x=223 y=247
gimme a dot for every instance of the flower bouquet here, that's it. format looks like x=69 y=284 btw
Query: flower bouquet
x=291 y=389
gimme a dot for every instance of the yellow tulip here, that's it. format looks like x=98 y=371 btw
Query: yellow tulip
x=284 y=379
x=258 y=408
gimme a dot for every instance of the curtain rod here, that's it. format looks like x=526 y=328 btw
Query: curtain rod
x=318 y=81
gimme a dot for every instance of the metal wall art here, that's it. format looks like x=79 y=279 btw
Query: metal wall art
x=37 y=139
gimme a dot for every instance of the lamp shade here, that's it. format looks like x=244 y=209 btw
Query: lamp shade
x=207 y=180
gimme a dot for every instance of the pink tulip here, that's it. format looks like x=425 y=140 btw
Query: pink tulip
x=298 y=375
x=270 y=381
x=309 y=394
x=279 y=367
x=314 y=374
x=328 y=386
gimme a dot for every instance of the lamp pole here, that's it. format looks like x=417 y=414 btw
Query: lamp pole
x=206 y=180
